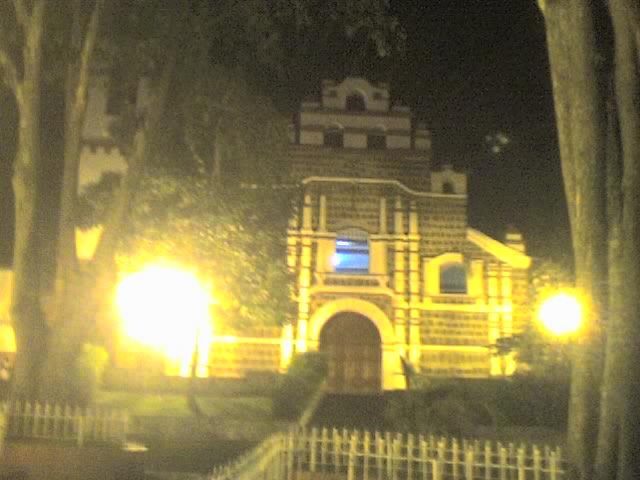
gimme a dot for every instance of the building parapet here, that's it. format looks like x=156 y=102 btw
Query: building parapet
x=377 y=181
x=509 y=255
x=345 y=280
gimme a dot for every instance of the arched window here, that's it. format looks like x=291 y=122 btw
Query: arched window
x=355 y=103
x=453 y=278
x=352 y=251
x=447 y=187
x=333 y=137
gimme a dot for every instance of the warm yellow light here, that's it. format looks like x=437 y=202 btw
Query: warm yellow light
x=167 y=308
x=561 y=314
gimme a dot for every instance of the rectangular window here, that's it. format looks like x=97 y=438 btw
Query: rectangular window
x=352 y=256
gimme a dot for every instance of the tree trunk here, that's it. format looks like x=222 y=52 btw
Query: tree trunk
x=611 y=395
x=30 y=328
x=103 y=266
x=67 y=334
x=582 y=138
x=628 y=105
x=118 y=213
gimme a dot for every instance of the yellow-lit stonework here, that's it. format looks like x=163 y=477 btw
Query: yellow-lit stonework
x=382 y=236
x=389 y=277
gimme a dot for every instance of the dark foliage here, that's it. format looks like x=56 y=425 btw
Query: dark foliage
x=298 y=385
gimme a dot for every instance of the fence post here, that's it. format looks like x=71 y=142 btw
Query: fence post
x=37 y=416
x=290 y=455
x=455 y=458
x=47 y=416
x=512 y=461
x=379 y=454
x=488 y=460
x=335 y=439
x=468 y=462
x=351 y=465
x=299 y=448
x=410 y=456
x=312 y=447
x=522 y=474
x=442 y=459
x=424 y=457
x=397 y=457
x=558 y=456
x=280 y=446
x=366 y=450
x=436 y=466
x=80 y=434
x=324 y=445
x=553 y=466
x=537 y=463
x=503 y=462
x=388 y=441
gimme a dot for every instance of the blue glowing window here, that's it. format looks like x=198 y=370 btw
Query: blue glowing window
x=453 y=279
x=352 y=254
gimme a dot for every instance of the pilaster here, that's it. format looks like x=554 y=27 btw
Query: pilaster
x=382 y=228
x=414 y=287
x=399 y=277
x=322 y=223
x=506 y=327
x=493 y=293
x=304 y=275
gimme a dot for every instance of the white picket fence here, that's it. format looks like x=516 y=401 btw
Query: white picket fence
x=65 y=423
x=354 y=455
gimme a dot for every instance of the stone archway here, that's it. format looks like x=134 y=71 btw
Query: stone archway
x=392 y=374
x=353 y=347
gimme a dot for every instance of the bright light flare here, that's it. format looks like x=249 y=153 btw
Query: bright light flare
x=167 y=309
x=561 y=314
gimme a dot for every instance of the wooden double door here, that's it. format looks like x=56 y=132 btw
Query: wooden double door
x=353 y=348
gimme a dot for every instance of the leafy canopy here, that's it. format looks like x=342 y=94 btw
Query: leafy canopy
x=235 y=239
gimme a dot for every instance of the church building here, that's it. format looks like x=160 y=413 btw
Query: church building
x=389 y=275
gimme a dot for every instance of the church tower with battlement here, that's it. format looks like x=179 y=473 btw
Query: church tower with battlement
x=389 y=275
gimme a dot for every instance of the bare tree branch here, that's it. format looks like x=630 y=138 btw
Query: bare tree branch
x=8 y=70
x=22 y=15
x=89 y=43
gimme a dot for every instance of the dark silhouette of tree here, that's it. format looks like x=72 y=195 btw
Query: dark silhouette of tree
x=593 y=51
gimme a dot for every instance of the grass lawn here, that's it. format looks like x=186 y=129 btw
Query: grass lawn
x=179 y=441
x=254 y=408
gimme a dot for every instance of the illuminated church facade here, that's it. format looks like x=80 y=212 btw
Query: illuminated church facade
x=390 y=277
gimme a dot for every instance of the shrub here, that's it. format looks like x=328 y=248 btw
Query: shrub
x=458 y=407
x=90 y=366
x=295 y=388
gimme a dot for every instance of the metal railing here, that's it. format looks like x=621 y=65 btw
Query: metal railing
x=65 y=423
x=356 y=455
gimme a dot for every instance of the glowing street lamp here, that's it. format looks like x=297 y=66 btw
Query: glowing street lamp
x=561 y=314
x=167 y=309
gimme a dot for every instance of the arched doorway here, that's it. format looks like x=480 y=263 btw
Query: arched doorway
x=354 y=353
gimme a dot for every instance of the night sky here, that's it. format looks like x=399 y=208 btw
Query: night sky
x=474 y=70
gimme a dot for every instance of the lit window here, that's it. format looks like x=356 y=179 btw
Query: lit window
x=453 y=278
x=352 y=252
x=333 y=137
x=355 y=103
